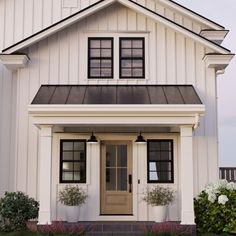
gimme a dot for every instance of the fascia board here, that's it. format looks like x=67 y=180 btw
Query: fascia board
x=117 y=110
x=214 y=35
x=57 y=27
x=173 y=25
x=161 y=115
x=191 y=14
x=100 y=5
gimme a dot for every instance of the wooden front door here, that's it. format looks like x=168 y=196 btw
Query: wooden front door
x=116 y=178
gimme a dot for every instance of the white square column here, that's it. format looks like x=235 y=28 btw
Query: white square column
x=45 y=175
x=186 y=175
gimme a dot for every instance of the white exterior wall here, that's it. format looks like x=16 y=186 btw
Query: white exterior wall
x=61 y=59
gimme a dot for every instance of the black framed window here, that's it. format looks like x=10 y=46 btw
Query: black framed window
x=160 y=161
x=132 y=58
x=100 y=57
x=73 y=161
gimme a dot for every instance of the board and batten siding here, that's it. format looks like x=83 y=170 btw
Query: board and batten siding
x=60 y=59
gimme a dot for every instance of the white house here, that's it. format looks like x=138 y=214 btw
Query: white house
x=111 y=68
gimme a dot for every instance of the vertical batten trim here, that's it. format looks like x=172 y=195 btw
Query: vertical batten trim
x=23 y=25
x=175 y=79
x=27 y=135
x=17 y=130
x=165 y=41
x=185 y=60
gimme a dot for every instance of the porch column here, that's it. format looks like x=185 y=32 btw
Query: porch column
x=186 y=175
x=45 y=173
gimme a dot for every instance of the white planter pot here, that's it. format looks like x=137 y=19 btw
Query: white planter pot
x=159 y=213
x=72 y=213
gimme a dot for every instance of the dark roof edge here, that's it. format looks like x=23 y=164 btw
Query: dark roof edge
x=180 y=26
x=51 y=26
x=203 y=17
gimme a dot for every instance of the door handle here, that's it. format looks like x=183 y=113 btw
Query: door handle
x=130 y=183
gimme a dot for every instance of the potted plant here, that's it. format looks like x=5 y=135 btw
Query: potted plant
x=159 y=198
x=72 y=197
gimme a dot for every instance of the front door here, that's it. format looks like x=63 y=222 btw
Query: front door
x=116 y=178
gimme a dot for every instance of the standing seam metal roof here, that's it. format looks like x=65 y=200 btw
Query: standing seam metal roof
x=116 y=94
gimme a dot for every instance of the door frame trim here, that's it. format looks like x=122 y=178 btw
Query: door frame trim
x=116 y=142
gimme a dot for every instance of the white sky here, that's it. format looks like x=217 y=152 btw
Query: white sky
x=224 y=13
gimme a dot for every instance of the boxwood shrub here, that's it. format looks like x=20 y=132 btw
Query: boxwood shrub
x=16 y=208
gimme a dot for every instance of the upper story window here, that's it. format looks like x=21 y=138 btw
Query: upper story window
x=100 y=58
x=73 y=161
x=160 y=161
x=132 y=59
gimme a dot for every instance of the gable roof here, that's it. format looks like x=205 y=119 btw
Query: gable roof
x=100 y=5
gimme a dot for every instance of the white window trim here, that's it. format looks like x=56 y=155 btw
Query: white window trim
x=116 y=58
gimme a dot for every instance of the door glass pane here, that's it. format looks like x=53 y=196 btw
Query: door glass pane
x=110 y=155
x=122 y=155
x=111 y=179
x=122 y=179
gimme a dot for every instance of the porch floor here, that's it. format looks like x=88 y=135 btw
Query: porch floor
x=107 y=228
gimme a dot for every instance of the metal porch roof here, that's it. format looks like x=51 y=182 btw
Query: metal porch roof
x=116 y=94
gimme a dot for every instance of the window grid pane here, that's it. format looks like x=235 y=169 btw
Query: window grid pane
x=160 y=161
x=132 y=58
x=100 y=58
x=73 y=161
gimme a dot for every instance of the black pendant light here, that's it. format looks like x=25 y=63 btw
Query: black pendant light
x=92 y=139
x=140 y=139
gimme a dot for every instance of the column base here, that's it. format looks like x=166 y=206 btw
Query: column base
x=187 y=218
x=44 y=218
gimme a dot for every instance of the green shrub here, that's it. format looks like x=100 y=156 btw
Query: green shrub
x=16 y=209
x=215 y=208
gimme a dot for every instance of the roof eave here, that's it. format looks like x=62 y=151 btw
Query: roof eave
x=100 y=5
x=192 y=14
